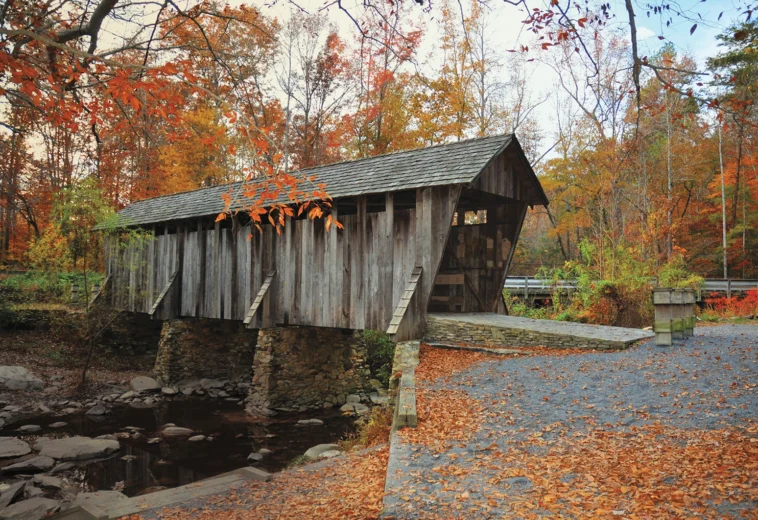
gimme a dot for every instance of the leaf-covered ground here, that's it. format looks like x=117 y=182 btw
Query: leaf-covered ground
x=350 y=487
x=650 y=432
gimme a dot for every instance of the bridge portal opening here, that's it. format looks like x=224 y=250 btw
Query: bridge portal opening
x=477 y=254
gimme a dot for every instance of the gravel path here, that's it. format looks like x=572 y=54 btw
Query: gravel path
x=650 y=431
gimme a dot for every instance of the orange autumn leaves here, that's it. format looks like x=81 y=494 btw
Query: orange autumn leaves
x=349 y=487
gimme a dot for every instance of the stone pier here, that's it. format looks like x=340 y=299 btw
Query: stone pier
x=305 y=368
x=204 y=348
x=292 y=368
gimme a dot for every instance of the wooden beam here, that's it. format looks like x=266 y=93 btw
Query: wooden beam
x=181 y=236
x=96 y=295
x=405 y=300
x=469 y=285
x=201 y=258
x=163 y=293
x=258 y=299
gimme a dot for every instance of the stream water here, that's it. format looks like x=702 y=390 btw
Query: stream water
x=141 y=467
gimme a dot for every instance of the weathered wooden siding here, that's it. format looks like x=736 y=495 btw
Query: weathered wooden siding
x=506 y=175
x=350 y=278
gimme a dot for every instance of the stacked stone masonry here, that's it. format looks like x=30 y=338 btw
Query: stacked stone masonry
x=204 y=348
x=444 y=329
x=302 y=368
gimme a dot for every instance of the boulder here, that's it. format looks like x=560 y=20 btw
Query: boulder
x=10 y=447
x=378 y=399
x=128 y=395
x=144 y=384
x=30 y=428
x=355 y=408
x=167 y=390
x=11 y=494
x=329 y=454
x=207 y=384
x=265 y=451
x=33 y=465
x=60 y=468
x=317 y=450
x=76 y=448
x=32 y=509
x=32 y=491
x=176 y=432
x=254 y=457
x=46 y=481
x=59 y=424
x=197 y=438
x=102 y=500
x=98 y=409
x=18 y=378
x=313 y=422
x=353 y=398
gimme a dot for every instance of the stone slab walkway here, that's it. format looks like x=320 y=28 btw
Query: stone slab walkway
x=648 y=432
x=497 y=329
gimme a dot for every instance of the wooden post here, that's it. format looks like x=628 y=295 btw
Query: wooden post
x=662 y=325
x=219 y=296
x=201 y=257
x=180 y=237
x=677 y=317
x=689 y=324
x=235 y=288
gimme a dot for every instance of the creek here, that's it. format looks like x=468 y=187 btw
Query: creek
x=141 y=467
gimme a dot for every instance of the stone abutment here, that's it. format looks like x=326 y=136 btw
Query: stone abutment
x=291 y=369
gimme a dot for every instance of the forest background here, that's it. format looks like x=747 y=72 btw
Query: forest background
x=649 y=160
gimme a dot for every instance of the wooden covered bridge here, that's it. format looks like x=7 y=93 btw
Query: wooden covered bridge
x=426 y=230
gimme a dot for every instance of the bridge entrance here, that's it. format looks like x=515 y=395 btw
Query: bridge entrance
x=478 y=252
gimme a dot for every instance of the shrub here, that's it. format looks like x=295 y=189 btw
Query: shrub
x=612 y=286
x=45 y=287
x=736 y=306
x=372 y=430
x=380 y=353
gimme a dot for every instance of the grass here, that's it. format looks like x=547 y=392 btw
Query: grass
x=372 y=430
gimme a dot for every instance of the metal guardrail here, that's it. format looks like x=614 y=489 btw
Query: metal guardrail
x=529 y=286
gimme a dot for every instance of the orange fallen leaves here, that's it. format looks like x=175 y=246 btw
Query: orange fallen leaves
x=652 y=472
x=436 y=363
x=445 y=417
x=349 y=487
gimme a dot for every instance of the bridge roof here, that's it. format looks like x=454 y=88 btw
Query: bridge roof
x=455 y=163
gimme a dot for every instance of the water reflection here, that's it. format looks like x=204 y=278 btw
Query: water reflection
x=144 y=467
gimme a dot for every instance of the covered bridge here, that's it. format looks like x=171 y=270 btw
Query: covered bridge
x=425 y=230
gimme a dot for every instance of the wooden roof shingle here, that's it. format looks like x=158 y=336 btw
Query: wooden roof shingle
x=454 y=163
